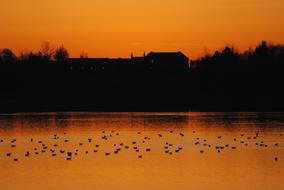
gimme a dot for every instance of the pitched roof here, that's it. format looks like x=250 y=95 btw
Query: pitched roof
x=167 y=54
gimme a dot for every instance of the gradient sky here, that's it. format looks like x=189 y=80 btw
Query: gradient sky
x=115 y=28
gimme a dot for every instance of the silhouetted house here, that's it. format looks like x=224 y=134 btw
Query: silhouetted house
x=168 y=59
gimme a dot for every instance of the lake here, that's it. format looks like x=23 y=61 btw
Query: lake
x=165 y=151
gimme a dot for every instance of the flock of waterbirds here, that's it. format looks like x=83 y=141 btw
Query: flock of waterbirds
x=53 y=148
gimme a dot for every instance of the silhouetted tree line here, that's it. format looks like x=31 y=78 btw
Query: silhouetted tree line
x=264 y=54
x=45 y=54
x=230 y=80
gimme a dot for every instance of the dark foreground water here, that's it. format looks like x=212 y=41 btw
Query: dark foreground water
x=162 y=151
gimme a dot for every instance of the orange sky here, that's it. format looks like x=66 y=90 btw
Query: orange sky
x=115 y=28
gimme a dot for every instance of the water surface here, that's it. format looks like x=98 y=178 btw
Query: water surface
x=162 y=151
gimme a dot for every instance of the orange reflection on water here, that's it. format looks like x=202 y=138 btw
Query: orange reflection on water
x=248 y=166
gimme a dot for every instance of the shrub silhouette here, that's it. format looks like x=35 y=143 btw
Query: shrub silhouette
x=7 y=56
x=61 y=54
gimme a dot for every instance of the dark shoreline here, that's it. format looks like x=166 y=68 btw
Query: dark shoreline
x=11 y=109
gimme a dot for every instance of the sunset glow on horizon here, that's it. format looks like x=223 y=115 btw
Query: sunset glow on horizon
x=112 y=28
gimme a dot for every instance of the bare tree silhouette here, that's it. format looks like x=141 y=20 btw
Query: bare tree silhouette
x=46 y=50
